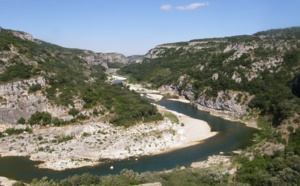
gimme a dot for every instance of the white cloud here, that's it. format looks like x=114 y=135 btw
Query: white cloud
x=192 y=6
x=165 y=7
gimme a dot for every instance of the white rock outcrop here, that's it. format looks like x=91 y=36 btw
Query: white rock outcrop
x=16 y=102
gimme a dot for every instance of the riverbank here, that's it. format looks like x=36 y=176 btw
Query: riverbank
x=84 y=144
x=249 y=123
x=157 y=95
x=196 y=130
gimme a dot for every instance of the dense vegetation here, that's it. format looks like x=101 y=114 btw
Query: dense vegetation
x=274 y=87
x=127 y=105
x=12 y=131
x=269 y=85
x=280 y=169
x=177 y=177
x=69 y=77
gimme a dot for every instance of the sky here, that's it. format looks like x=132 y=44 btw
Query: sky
x=133 y=27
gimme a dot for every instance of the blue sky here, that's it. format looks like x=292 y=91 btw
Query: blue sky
x=135 y=26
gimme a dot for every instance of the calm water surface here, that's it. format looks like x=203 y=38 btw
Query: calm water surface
x=231 y=136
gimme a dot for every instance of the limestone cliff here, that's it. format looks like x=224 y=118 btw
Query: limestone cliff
x=16 y=102
x=232 y=103
x=103 y=59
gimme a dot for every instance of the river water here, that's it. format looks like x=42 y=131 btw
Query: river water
x=231 y=136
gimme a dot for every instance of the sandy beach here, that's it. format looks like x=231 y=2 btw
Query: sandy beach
x=195 y=130
x=141 y=89
x=116 y=77
x=180 y=100
x=6 y=182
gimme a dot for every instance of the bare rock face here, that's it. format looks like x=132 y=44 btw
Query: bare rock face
x=103 y=58
x=135 y=59
x=215 y=76
x=226 y=102
x=168 y=89
x=270 y=148
x=23 y=35
x=16 y=102
x=114 y=58
x=232 y=103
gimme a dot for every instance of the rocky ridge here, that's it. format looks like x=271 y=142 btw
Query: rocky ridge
x=92 y=58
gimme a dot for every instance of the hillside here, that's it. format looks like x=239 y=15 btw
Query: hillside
x=232 y=75
x=42 y=83
x=56 y=106
x=249 y=78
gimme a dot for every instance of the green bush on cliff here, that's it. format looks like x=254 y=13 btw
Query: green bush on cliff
x=34 y=88
x=16 y=71
x=21 y=121
x=40 y=118
x=12 y=131
x=73 y=112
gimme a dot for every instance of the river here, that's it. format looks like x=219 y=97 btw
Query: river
x=231 y=136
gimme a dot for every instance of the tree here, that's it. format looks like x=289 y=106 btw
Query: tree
x=73 y=112
x=41 y=118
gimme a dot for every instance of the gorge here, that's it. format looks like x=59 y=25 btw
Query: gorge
x=59 y=107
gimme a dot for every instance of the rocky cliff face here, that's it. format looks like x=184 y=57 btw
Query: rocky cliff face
x=23 y=35
x=16 y=102
x=232 y=103
x=135 y=59
x=105 y=58
x=227 y=102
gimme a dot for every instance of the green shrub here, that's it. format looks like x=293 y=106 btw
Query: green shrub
x=21 y=121
x=65 y=139
x=73 y=112
x=172 y=117
x=12 y=131
x=34 y=88
x=17 y=71
x=40 y=118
